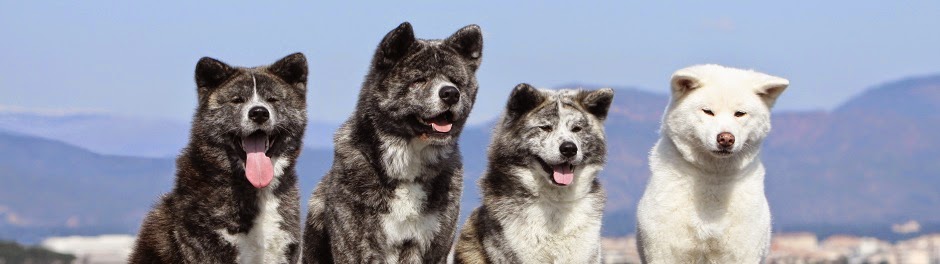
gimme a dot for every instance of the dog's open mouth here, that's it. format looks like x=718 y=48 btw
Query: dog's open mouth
x=440 y=124
x=562 y=174
x=258 y=166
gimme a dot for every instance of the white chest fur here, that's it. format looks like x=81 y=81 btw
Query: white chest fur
x=687 y=220
x=266 y=242
x=406 y=220
x=407 y=160
x=553 y=232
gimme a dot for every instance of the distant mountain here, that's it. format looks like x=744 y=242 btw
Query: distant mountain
x=49 y=185
x=869 y=163
x=872 y=160
x=102 y=133
x=125 y=136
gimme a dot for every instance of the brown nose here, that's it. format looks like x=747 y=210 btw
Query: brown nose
x=725 y=140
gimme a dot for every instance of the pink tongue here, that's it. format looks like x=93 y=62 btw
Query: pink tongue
x=563 y=174
x=258 y=167
x=441 y=126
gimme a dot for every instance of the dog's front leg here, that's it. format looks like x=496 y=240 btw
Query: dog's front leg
x=204 y=247
x=355 y=239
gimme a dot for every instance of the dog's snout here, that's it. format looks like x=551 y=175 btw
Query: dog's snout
x=449 y=94
x=568 y=149
x=725 y=140
x=258 y=114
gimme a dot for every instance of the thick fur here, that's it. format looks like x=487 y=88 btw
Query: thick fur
x=214 y=214
x=702 y=204
x=392 y=194
x=526 y=217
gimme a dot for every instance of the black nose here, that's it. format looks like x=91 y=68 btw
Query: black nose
x=725 y=140
x=568 y=149
x=449 y=94
x=259 y=114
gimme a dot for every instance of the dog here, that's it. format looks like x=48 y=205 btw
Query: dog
x=392 y=194
x=705 y=199
x=542 y=201
x=235 y=199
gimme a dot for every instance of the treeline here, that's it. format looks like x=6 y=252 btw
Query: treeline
x=13 y=253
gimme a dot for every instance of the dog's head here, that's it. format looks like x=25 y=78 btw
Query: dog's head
x=257 y=114
x=720 y=111
x=423 y=88
x=561 y=133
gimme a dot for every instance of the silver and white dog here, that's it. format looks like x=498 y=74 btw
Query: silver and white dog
x=542 y=202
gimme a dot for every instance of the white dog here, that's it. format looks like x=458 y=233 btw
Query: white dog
x=705 y=200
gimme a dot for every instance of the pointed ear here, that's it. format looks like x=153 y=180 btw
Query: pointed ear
x=292 y=69
x=683 y=81
x=597 y=102
x=210 y=73
x=523 y=99
x=394 y=46
x=771 y=89
x=468 y=42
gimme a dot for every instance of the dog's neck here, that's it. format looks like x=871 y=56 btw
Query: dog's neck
x=556 y=210
x=199 y=173
x=410 y=159
x=401 y=159
x=721 y=168
x=202 y=165
x=530 y=182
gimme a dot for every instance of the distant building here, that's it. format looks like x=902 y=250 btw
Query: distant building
x=786 y=248
x=906 y=227
x=800 y=248
x=104 y=249
x=804 y=241
x=620 y=250
x=922 y=249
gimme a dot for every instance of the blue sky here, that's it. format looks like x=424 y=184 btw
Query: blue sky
x=137 y=58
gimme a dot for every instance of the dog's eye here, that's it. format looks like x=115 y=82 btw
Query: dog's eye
x=739 y=114
x=238 y=100
x=546 y=128
x=708 y=112
x=272 y=100
x=576 y=129
x=419 y=81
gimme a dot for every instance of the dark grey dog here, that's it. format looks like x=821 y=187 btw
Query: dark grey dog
x=393 y=191
x=235 y=198
x=542 y=202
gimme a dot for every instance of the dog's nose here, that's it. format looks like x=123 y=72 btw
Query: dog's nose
x=568 y=149
x=258 y=114
x=725 y=140
x=449 y=94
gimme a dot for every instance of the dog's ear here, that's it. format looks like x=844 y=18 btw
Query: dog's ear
x=210 y=73
x=394 y=46
x=771 y=88
x=292 y=69
x=468 y=42
x=597 y=102
x=683 y=81
x=523 y=99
